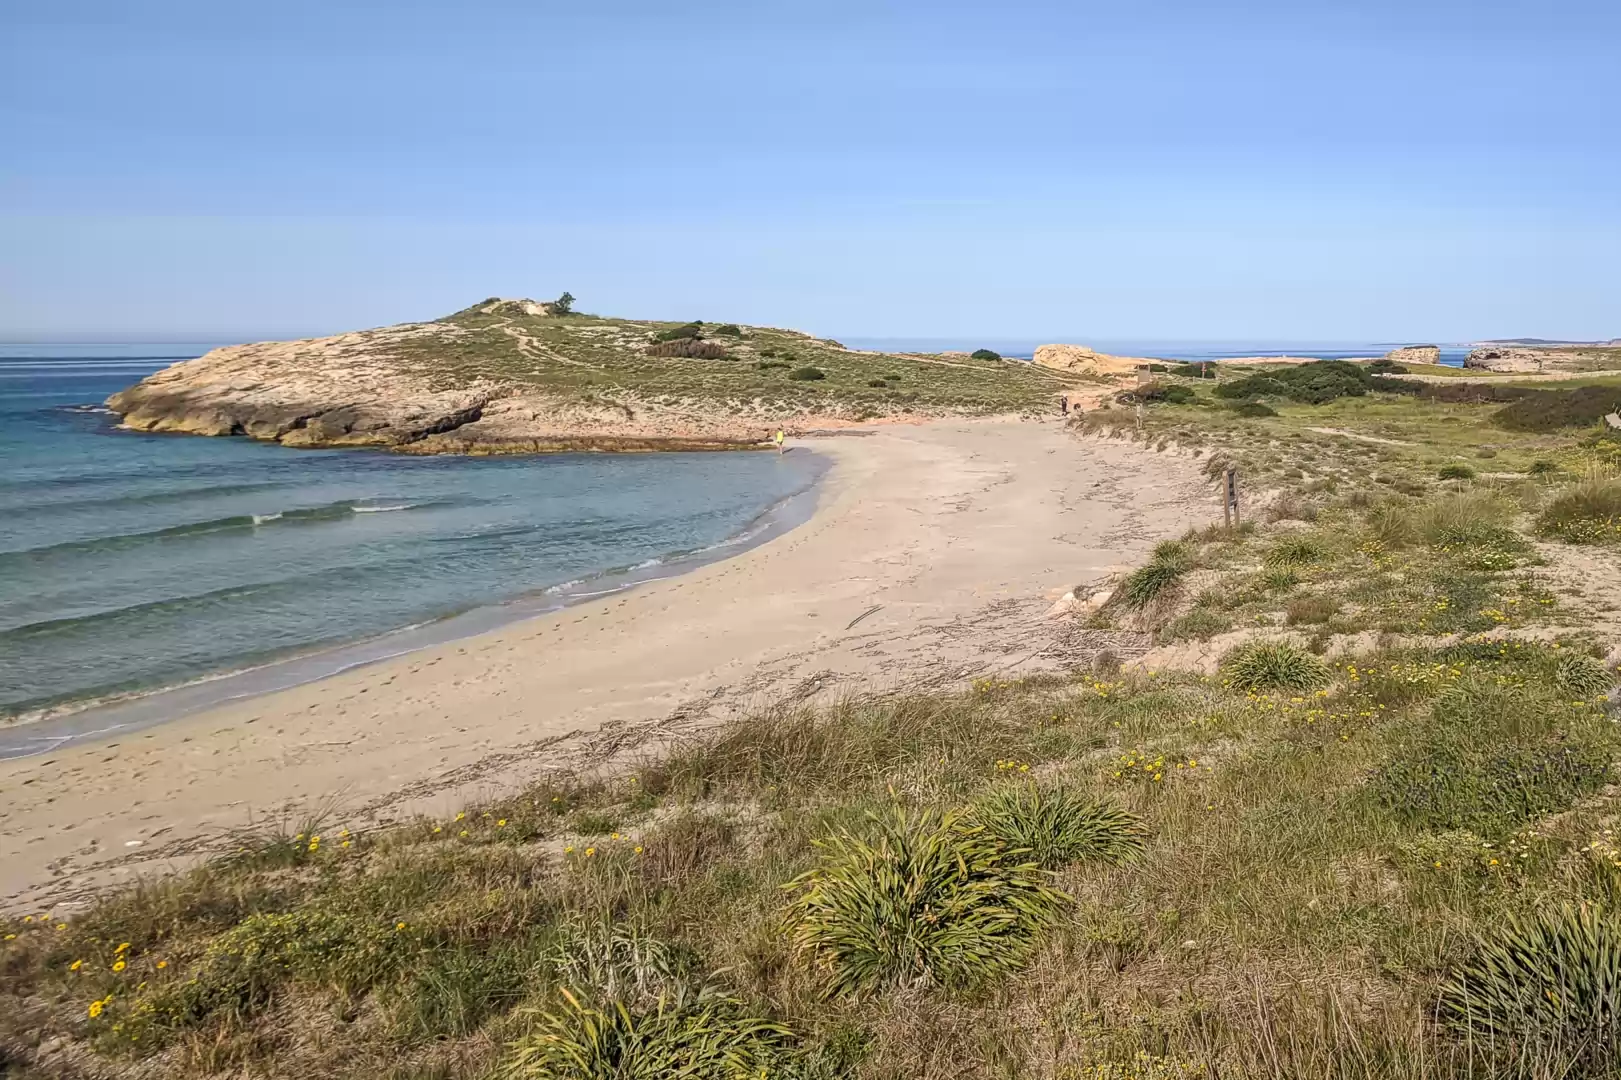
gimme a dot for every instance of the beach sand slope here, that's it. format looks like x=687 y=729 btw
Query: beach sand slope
x=932 y=558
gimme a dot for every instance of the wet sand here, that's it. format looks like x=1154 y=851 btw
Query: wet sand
x=932 y=557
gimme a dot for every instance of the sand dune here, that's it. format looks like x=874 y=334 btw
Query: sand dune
x=932 y=556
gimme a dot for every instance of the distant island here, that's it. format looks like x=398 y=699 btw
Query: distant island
x=522 y=376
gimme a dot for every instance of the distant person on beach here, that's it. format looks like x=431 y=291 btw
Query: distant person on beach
x=777 y=438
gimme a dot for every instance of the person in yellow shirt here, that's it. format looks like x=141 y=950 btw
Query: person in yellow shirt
x=777 y=438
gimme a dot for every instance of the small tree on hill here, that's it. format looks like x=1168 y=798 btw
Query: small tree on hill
x=984 y=354
x=563 y=305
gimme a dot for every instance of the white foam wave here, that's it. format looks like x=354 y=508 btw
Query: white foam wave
x=265 y=519
x=383 y=509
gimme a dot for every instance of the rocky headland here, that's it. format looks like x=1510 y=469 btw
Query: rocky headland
x=519 y=376
x=1507 y=357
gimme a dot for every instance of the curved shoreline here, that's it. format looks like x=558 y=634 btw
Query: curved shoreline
x=932 y=557
x=73 y=722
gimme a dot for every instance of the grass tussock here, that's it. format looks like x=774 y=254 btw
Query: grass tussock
x=1586 y=512
x=1272 y=667
x=1542 y=996
x=919 y=900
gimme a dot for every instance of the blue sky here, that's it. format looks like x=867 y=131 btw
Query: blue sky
x=1064 y=171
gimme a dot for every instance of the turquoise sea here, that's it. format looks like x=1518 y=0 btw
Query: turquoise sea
x=130 y=562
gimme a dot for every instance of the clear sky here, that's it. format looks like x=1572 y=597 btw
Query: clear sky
x=1183 y=169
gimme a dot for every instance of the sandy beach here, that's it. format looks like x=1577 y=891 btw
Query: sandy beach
x=933 y=557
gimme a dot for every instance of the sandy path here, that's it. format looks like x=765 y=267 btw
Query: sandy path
x=958 y=534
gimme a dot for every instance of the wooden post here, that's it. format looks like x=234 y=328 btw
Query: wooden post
x=1229 y=502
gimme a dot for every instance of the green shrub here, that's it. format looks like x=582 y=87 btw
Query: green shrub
x=1586 y=512
x=918 y=900
x=1295 y=552
x=728 y=330
x=1315 y=383
x=807 y=374
x=1055 y=827
x=767 y=365
x=1542 y=467
x=1550 y=410
x=1542 y=996
x=1386 y=366
x=1455 y=471
x=1252 y=409
x=1274 y=666
x=686 y=332
x=706 y=1040
x=1157 y=392
x=878 y=384
x=985 y=354
x=1193 y=371
x=688 y=348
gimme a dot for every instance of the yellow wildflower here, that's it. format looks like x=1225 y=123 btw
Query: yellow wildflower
x=118 y=965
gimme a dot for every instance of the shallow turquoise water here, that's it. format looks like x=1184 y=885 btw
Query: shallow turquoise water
x=129 y=562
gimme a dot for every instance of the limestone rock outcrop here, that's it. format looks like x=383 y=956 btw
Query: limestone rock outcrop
x=1415 y=354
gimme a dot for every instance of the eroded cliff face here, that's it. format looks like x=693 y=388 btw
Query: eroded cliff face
x=1080 y=360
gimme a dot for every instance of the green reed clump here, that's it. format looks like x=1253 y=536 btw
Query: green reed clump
x=1057 y=826
x=918 y=900
x=1295 y=553
x=1156 y=578
x=1268 y=666
x=1542 y=997
x=707 y=1040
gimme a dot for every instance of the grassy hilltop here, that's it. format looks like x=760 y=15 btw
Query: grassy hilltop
x=588 y=356
x=1355 y=815
x=514 y=376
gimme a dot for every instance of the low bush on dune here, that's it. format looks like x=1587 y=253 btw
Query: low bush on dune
x=704 y=1040
x=688 y=348
x=918 y=899
x=1295 y=553
x=1550 y=410
x=1586 y=512
x=1316 y=383
x=807 y=374
x=1460 y=513
x=686 y=332
x=984 y=354
x=1057 y=826
x=1542 y=996
x=1253 y=409
x=1455 y=471
x=1274 y=667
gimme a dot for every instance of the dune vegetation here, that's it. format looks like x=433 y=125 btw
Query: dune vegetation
x=1354 y=816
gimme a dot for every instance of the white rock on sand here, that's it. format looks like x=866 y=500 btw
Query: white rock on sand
x=959 y=531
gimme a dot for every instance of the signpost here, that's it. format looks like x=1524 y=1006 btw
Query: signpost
x=1229 y=503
